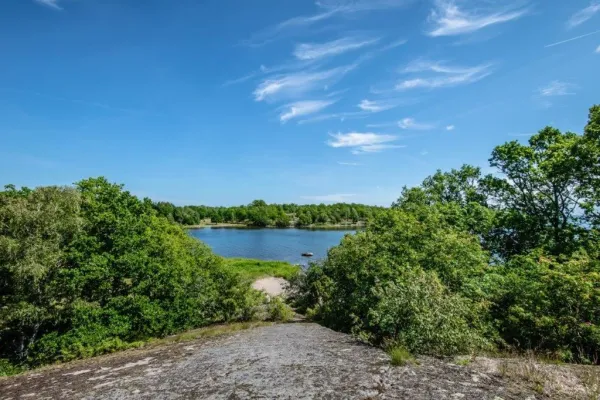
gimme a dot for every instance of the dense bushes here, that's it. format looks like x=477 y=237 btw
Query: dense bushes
x=92 y=269
x=466 y=261
x=391 y=284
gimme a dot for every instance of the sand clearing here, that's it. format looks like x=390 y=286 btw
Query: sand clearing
x=271 y=286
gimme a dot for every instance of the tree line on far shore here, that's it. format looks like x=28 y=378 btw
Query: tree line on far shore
x=260 y=214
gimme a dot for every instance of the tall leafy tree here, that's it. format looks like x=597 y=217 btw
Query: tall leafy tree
x=538 y=194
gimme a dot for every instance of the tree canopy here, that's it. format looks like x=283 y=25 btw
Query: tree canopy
x=468 y=261
x=91 y=268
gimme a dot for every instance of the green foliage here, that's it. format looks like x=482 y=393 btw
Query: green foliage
x=251 y=270
x=383 y=285
x=93 y=269
x=7 y=368
x=464 y=260
x=277 y=310
x=260 y=214
x=543 y=304
x=419 y=313
x=399 y=356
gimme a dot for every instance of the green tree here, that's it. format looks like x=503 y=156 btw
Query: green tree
x=537 y=196
x=36 y=228
x=283 y=220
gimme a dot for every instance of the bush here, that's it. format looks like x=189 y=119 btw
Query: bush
x=418 y=313
x=7 y=368
x=279 y=311
x=403 y=280
x=549 y=306
x=399 y=356
x=91 y=270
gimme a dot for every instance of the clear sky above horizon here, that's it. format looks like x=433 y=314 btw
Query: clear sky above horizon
x=222 y=102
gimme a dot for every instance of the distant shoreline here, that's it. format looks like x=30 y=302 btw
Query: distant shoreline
x=244 y=226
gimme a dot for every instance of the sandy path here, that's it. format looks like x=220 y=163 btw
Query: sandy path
x=271 y=286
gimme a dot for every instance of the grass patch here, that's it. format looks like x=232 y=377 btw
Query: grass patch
x=252 y=270
x=399 y=356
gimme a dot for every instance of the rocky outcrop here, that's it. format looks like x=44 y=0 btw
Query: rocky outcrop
x=287 y=361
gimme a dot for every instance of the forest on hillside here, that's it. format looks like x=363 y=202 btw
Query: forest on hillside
x=260 y=214
x=468 y=262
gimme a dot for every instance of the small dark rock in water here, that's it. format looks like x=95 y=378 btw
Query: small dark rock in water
x=288 y=361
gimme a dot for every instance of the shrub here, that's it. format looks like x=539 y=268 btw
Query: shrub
x=91 y=270
x=403 y=280
x=279 y=311
x=548 y=305
x=7 y=368
x=418 y=313
x=399 y=356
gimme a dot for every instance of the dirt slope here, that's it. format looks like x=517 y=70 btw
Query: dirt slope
x=290 y=361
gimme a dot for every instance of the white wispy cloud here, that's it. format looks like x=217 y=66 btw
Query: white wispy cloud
x=424 y=152
x=375 y=106
x=351 y=164
x=448 y=19
x=271 y=33
x=367 y=142
x=342 y=116
x=556 y=88
x=443 y=75
x=293 y=84
x=375 y=148
x=329 y=9
x=241 y=79
x=598 y=50
x=583 y=15
x=450 y=127
x=302 y=108
x=393 y=45
x=330 y=198
x=316 y=51
x=571 y=39
x=50 y=3
x=411 y=124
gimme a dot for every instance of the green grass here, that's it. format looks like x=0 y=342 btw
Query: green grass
x=255 y=269
x=399 y=356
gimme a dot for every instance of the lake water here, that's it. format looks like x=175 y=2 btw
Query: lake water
x=270 y=244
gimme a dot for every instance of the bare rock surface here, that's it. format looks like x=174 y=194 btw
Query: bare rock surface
x=287 y=361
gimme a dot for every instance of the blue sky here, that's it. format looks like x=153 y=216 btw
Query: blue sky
x=222 y=102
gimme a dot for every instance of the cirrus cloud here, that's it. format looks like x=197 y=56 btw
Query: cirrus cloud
x=448 y=19
x=584 y=15
x=50 y=3
x=556 y=88
x=316 y=51
x=375 y=106
x=303 y=108
x=296 y=83
x=367 y=142
x=441 y=75
x=411 y=124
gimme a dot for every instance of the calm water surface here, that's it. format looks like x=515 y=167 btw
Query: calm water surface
x=270 y=244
